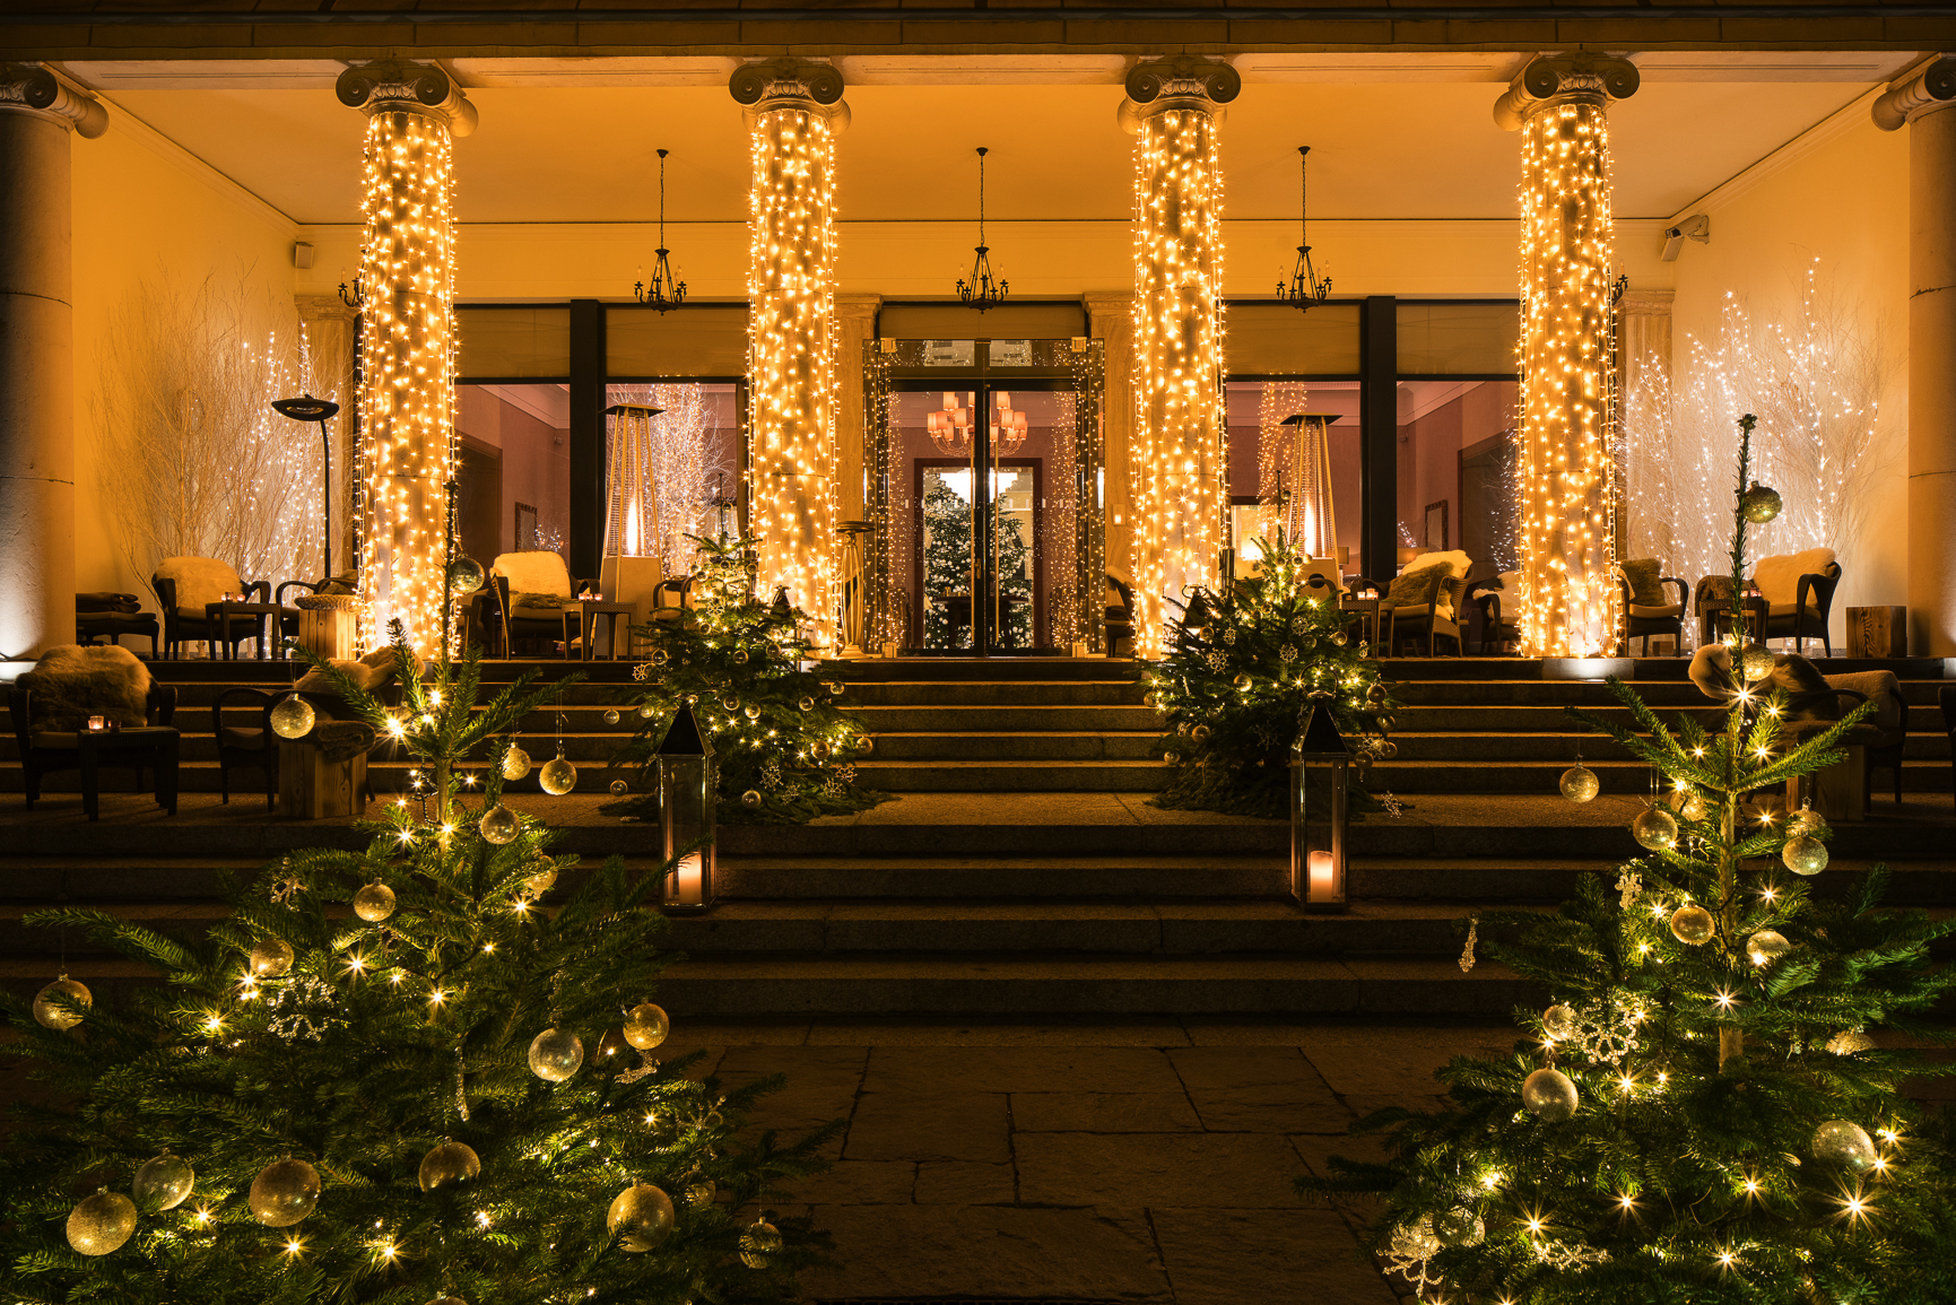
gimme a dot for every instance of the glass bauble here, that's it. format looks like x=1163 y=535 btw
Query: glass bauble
x=730 y=703
x=102 y=1223
x=865 y=744
x=1845 y=1143
x=516 y=763
x=284 y=1192
x=499 y=825
x=1806 y=821
x=619 y=788
x=1550 y=1095
x=611 y=716
x=1579 y=783
x=1692 y=806
x=1655 y=829
x=1416 y=1240
x=640 y=1217
x=374 y=903
x=1243 y=683
x=648 y=712
x=751 y=798
x=542 y=881
x=646 y=1026
x=73 y=992
x=557 y=777
x=806 y=704
x=700 y=1195
x=292 y=717
x=555 y=1055
x=163 y=1183
x=1804 y=855
x=1559 y=1021
x=271 y=957
x=1756 y=664
x=1767 y=946
x=465 y=575
x=1849 y=1041
x=751 y=711
x=1460 y=1226
x=1760 y=504
x=835 y=687
x=759 y=1244
x=451 y=1162
x=1693 y=925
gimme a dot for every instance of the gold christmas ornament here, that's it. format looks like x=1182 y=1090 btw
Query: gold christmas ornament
x=50 y=1015
x=542 y=881
x=102 y=1223
x=1806 y=821
x=759 y=1244
x=1550 y=1095
x=751 y=797
x=1416 y=1240
x=1756 y=664
x=1767 y=946
x=1691 y=805
x=807 y=703
x=1559 y=1021
x=450 y=1162
x=271 y=957
x=555 y=1055
x=558 y=777
x=499 y=825
x=1804 y=855
x=284 y=1192
x=1655 y=829
x=1849 y=1041
x=1845 y=1143
x=611 y=716
x=1693 y=925
x=516 y=763
x=619 y=788
x=1579 y=783
x=646 y=1026
x=640 y=1217
x=1760 y=504
x=465 y=576
x=374 y=903
x=700 y=1195
x=163 y=1183
x=292 y=718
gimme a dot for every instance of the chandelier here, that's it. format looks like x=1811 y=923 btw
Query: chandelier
x=1008 y=427
x=981 y=292
x=950 y=430
x=1304 y=290
x=355 y=297
x=666 y=291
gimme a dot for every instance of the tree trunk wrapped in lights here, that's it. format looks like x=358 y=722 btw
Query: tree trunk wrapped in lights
x=795 y=110
x=407 y=343
x=1571 y=600
x=1181 y=433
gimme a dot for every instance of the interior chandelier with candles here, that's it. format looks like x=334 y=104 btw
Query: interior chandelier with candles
x=1305 y=289
x=665 y=291
x=982 y=291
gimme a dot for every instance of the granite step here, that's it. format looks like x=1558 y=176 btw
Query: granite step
x=1025 y=745
x=1029 y=776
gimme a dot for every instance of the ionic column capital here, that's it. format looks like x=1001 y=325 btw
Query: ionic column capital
x=399 y=86
x=1928 y=86
x=1560 y=78
x=790 y=83
x=33 y=88
x=1177 y=81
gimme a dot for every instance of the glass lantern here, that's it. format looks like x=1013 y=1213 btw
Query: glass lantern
x=1320 y=782
x=686 y=820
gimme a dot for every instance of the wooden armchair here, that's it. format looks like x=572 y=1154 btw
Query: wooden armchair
x=1497 y=626
x=45 y=751
x=253 y=745
x=1432 y=621
x=185 y=586
x=1882 y=738
x=1119 y=616
x=509 y=620
x=1798 y=589
x=1641 y=621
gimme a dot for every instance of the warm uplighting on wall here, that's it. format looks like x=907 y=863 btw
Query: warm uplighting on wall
x=1180 y=432
x=1570 y=596
x=791 y=357
x=407 y=374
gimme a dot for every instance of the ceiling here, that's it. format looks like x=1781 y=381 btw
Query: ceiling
x=574 y=143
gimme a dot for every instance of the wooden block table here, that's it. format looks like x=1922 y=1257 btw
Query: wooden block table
x=1877 y=632
x=312 y=788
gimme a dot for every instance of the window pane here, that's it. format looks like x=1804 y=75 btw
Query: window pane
x=513 y=484
x=510 y=342
x=1458 y=339
x=1277 y=340
x=1265 y=461
x=1456 y=471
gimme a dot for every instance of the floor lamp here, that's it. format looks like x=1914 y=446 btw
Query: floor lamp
x=307 y=408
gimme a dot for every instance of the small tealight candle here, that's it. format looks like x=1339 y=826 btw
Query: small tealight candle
x=1080 y=648
x=890 y=650
x=98 y=724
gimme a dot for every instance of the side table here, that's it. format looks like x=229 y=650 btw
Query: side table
x=1366 y=612
x=139 y=746
x=221 y=615
x=1877 y=632
x=586 y=613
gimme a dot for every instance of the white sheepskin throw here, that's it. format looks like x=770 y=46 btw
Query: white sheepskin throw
x=536 y=572
x=200 y=580
x=1778 y=577
x=70 y=684
x=369 y=673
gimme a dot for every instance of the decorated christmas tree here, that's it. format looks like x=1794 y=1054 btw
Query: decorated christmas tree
x=947 y=568
x=426 y=1070
x=784 y=750
x=1703 y=1113
x=1242 y=664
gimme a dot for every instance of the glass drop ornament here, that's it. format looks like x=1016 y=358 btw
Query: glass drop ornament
x=516 y=763
x=451 y=1162
x=271 y=957
x=292 y=718
x=541 y=882
x=465 y=575
x=498 y=825
x=751 y=798
x=555 y=1055
x=102 y=1223
x=1806 y=821
x=1804 y=855
x=1550 y=1095
x=163 y=1183
x=1579 y=783
x=619 y=788
x=1692 y=806
x=1760 y=504
x=557 y=777
x=759 y=1244
x=700 y=1195
x=1767 y=946
x=1693 y=925
x=374 y=903
x=611 y=716
x=1559 y=1021
x=59 y=1018
x=641 y=1217
x=1655 y=829
x=1757 y=664
x=284 y=1192
x=1849 y=1041
x=646 y=1026
x=1845 y=1143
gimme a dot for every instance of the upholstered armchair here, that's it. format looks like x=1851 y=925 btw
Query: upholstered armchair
x=109 y=616
x=251 y=744
x=1880 y=739
x=1642 y=619
x=1798 y=590
x=186 y=586
x=1495 y=605
x=528 y=593
x=1421 y=607
x=47 y=706
x=1119 y=617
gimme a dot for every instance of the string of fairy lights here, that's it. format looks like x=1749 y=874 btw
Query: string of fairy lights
x=407 y=369
x=1181 y=435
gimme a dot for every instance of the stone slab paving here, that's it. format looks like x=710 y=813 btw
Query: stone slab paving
x=1145 y=1161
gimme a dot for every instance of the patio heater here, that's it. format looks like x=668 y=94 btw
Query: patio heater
x=686 y=780
x=307 y=408
x=1320 y=784
x=1311 y=519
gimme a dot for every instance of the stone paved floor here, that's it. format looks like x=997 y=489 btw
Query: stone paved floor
x=1149 y=1162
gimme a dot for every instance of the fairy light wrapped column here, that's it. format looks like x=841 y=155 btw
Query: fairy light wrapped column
x=407 y=342
x=1571 y=604
x=795 y=109
x=1174 y=108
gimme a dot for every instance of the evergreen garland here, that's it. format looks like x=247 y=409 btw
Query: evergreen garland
x=358 y=1042
x=784 y=750
x=1243 y=663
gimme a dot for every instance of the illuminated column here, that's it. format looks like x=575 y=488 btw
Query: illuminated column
x=794 y=111
x=1922 y=101
x=407 y=342
x=1571 y=603
x=37 y=366
x=1174 y=107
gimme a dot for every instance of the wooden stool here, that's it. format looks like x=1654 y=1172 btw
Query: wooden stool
x=1839 y=793
x=312 y=788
